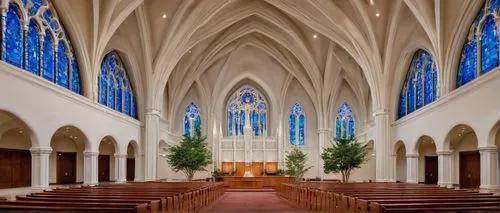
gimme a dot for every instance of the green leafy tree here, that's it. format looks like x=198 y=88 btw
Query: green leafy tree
x=191 y=155
x=295 y=163
x=344 y=156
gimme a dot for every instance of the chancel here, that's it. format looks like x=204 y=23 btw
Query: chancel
x=249 y=106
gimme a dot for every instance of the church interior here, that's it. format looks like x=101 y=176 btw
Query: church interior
x=95 y=92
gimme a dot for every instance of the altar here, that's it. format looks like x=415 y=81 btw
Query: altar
x=240 y=182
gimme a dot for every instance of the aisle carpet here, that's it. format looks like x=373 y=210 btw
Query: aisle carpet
x=251 y=202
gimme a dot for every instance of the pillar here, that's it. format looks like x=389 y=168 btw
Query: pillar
x=323 y=137
x=382 y=146
x=412 y=168
x=489 y=169
x=152 y=123
x=40 y=167
x=121 y=168
x=444 y=168
x=90 y=168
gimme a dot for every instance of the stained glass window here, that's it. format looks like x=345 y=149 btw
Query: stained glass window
x=483 y=36
x=115 y=90
x=420 y=87
x=33 y=47
x=297 y=124
x=192 y=119
x=247 y=104
x=345 y=124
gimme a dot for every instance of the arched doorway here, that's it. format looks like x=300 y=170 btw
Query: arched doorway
x=428 y=160
x=106 y=161
x=400 y=153
x=466 y=164
x=162 y=169
x=66 y=160
x=15 y=156
x=131 y=162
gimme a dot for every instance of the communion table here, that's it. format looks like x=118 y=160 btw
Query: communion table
x=239 y=182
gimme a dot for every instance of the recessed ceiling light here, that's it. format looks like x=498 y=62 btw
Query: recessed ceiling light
x=377 y=14
x=371 y=2
x=315 y=36
x=164 y=16
x=189 y=51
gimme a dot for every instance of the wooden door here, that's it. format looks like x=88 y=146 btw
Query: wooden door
x=470 y=169
x=66 y=167
x=130 y=169
x=103 y=168
x=15 y=168
x=431 y=170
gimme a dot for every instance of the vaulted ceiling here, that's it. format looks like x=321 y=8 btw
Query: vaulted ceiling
x=366 y=44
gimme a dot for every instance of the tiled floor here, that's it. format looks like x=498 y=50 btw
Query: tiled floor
x=251 y=202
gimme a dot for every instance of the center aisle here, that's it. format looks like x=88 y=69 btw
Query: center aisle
x=251 y=202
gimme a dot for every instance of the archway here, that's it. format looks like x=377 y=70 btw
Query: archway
x=427 y=160
x=106 y=162
x=132 y=155
x=15 y=156
x=465 y=163
x=400 y=153
x=66 y=160
x=162 y=169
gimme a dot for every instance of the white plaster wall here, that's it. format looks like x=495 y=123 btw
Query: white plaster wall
x=401 y=165
x=12 y=139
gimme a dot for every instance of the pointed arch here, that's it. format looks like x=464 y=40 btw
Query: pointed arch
x=420 y=87
x=345 y=124
x=192 y=119
x=297 y=122
x=115 y=90
x=247 y=104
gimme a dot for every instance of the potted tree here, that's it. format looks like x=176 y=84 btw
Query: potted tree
x=295 y=163
x=216 y=174
x=344 y=156
x=190 y=156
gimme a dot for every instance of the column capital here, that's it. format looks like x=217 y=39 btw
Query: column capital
x=488 y=149
x=153 y=111
x=90 y=153
x=121 y=155
x=380 y=111
x=41 y=150
x=412 y=155
x=444 y=152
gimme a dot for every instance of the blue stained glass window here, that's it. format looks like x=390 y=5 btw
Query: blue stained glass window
x=420 y=86
x=345 y=123
x=118 y=101
x=112 y=69
x=192 y=118
x=246 y=102
x=111 y=93
x=75 y=77
x=489 y=45
x=62 y=65
x=25 y=2
x=297 y=124
x=13 y=43
x=468 y=67
x=36 y=6
x=48 y=57
x=33 y=49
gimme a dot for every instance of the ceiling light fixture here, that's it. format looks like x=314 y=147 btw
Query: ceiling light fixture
x=371 y=2
x=315 y=36
x=377 y=14
x=164 y=16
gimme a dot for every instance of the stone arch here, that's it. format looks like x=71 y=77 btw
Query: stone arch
x=399 y=153
x=425 y=147
x=133 y=165
x=107 y=165
x=163 y=169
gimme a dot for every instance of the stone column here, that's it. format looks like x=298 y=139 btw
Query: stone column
x=152 y=123
x=40 y=167
x=90 y=168
x=412 y=168
x=121 y=168
x=489 y=169
x=444 y=168
x=323 y=138
x=382 y=146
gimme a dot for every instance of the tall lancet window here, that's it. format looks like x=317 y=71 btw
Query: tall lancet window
x=35 y=40
x=345 y=125
x=480 y=51
x=297 y=122
x=247 y=105
x=115 y=90
x=420 y=87
x=192 y=119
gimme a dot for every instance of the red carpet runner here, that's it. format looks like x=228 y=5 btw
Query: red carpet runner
x=251 y=202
